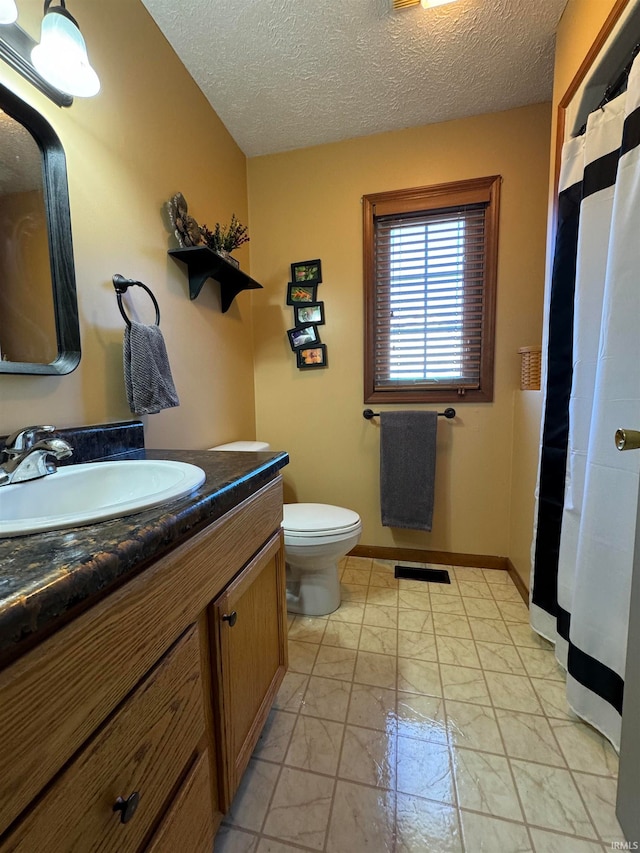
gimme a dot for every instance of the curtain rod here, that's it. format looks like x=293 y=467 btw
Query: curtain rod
x=616 y=88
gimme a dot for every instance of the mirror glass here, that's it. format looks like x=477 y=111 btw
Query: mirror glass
x=39 y=330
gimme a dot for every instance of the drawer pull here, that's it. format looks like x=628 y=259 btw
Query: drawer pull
x=231 y=618
x=127 y=808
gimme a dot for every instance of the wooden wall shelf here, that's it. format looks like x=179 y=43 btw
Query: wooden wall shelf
x=203 y=263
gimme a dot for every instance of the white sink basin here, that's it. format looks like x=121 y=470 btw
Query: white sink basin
x=84 y=494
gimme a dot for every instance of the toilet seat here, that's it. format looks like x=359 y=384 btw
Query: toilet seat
x=318 y=520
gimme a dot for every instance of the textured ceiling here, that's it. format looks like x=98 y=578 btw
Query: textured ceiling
x=285 y=74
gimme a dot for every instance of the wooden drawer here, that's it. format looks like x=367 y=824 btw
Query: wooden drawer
x=55 y=696
x=143 y=748
x=189 y=824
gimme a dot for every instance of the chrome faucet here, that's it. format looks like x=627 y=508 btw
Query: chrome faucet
x=30 y=456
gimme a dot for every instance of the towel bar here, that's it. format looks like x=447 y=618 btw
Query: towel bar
x=448 y=413
x=121 y=284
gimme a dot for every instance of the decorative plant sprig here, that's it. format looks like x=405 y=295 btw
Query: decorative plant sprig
x=225 y=238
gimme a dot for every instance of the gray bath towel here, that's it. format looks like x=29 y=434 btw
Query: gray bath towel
x=407 y=468
x=147 y=375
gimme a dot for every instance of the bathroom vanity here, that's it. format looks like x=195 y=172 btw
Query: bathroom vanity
x=140 y=657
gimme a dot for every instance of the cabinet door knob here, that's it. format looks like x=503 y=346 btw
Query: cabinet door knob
x=127 y=808
x=231 y=618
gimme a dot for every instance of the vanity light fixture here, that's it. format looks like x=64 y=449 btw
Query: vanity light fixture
x=428 y=4
x=8 y=12
x=61 y=57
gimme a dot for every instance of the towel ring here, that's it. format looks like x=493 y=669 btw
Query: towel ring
x=121 y=284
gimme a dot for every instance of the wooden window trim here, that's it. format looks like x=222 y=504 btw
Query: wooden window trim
x=452 y=194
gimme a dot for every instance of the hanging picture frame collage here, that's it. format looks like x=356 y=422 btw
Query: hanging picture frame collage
x=308 y=314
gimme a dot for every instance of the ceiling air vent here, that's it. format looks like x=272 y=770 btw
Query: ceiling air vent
x=396 y=5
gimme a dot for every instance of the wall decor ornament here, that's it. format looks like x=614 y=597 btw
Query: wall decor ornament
x=186 y=228
x=309 y=358
x=303 y=336
x=307 y=272
x=312 y=312
x=301 y=293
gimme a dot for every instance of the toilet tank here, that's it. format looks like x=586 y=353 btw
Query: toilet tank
x=242 y=445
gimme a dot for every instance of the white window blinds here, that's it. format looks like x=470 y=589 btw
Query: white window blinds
x=429 y=271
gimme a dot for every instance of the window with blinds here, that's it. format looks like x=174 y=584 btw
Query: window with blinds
x=430 y=271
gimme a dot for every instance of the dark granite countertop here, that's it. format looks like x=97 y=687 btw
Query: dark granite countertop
x=48 y=578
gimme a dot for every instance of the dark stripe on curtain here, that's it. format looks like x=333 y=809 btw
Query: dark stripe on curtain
x=588 y=671
x=600 y=174
x=555 y=435
x=631 y=132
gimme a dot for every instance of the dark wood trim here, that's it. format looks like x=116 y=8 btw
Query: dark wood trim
x=520 y=584
x=440 y=558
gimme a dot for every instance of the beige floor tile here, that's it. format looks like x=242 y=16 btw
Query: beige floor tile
x=408 y=599
x=421 y=717
x=353 y=592
x=291 y=692
x=542 y=663
x=315 y=745
x=418 y=676
x=275 y=736
x=251 y=801
x=484 y=784
x=512 y=692
x=349 y=611
x=530 y=737
x=444 y=588
x=425 y=825
x=450 y=604
x=333 y=662
x=553 y=698
x=382 y=595
x=344 y=635
x=378 y=565
x=499 y=657
x=377 y=670
x=369 y=756
x=267 y=845
x=524 y=635
x=450 y=625
x=364 y=564
x=550 y=799
x=383 y=578
x=412 y=586
x=299 y=811
x=413 y=644
x=490 y=631
x=585 y=748
x=456 y=651
x=514 y=611
x=464 y=684
x=484 y=834
x=380 y=616
x=302 y=656
x=420 y=621
x=550 y=842
x=504 y=592
x=327 y=698
x=355 y=576
x=482 y=608
x=463 y=573
x=599 y=794
x=362 y=819
x=309 y=629
x=232 y=840
x=383 y=641
x=373 y=707
x=473 y=726
x=475 y=589
x=497 y=576
x=424 y=770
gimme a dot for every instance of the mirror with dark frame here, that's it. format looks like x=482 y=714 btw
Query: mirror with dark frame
x=39 y=328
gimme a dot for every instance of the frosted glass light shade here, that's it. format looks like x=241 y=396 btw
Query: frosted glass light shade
x=428 y=4
x=8 y=12
x=61 y=57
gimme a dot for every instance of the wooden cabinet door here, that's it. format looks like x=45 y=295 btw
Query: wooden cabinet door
x=248 y=631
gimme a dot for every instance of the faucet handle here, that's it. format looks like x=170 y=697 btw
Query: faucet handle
x=24 y=439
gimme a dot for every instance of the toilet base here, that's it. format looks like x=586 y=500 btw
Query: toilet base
x=313 y=592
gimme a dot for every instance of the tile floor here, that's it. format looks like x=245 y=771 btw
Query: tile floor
x=423 y=718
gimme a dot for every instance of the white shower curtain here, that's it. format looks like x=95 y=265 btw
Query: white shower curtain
x=587 y=491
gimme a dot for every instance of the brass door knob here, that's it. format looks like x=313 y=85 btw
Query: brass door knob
x=627 y=439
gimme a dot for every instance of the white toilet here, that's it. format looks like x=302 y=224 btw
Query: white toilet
x=316 y=536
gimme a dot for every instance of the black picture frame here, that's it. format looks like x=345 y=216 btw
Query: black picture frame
x=301 y=294
x=308 y=312
x=303 y=336
x=306 y=272
x=318 y=359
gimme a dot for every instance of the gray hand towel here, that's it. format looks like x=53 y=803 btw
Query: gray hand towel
x=147 y=375
x=407 y=468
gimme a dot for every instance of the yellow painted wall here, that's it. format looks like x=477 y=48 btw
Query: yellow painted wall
x=306 y=204
x=148 y=134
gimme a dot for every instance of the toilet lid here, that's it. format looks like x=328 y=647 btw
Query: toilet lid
x=317 y=518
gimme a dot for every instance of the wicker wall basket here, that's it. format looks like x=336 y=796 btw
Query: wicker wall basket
x=530 y=368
